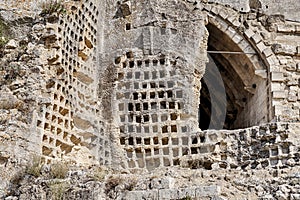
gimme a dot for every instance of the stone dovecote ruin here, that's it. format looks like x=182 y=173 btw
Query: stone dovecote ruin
x=151 y=84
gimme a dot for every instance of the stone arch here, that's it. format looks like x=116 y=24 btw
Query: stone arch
x=246 y=76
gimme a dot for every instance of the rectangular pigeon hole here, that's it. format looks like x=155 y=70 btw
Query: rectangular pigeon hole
x=130 y=141
x=170 y=84
x=147 y=63
x=137 y=75
x=274 y=151
x=131 y=129
x=138 y=140
x=170 y=94
x=163 y=105
x=127 y=85
x=138 y=119
x=164 y=129
x=138 y=129
x=148 y=152
x=131 y=164
x=171 y=105
x=121 y=107
x=185 y=151
x=139 y=63
x=161 y=84
x=122 y=140
x=146 y=118
x=152 y=85
x=146 y=75
x=165 y=141
x=179 y=94
x=136 y=86
x=162 y=74
x=155 y=62
x=175 y=152
x=129 y=75
x=147 y=141
x=154 y=118
x=145 y=106
x=285 y=149
x=153 y=105
x=152 y=95
x=173 y=128
x=164 y=117
x=185 y=140
x=131 y=64
x=141 y=163
x=154 y=74
x=173 y=116
x=273 y=162
x=156 y=151
x=194 y=150
x=129 y=153
x=194 y=140
x=137 y=107
x=176 y=161
x=166 y=151
x=154 y=129
x=145 y=85
x=155 y=140
x=146 y=129
x=166 y=162
x=203 y=149
x=138 y=153
x=175 y=141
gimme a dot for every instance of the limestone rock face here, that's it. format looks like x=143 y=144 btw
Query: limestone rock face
x=178 y=99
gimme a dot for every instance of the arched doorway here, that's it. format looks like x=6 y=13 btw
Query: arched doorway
x=247 y=102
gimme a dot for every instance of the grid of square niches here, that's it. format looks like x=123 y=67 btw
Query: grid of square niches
x=57 y=137
x=148 y=152
x=148 y=95
x=75 y=28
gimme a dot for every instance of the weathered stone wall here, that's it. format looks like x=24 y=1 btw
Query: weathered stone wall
x=118 y=84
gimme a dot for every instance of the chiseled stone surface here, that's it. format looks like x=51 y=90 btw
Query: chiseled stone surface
x=119 y=83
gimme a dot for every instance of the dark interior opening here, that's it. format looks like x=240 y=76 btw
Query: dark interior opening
x=237 y=75
x=205 y=108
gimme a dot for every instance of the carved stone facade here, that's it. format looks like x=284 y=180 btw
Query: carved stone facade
x=147 y=84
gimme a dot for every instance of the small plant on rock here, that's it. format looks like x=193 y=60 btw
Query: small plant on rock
x=58 y=190
x=59 y=170
x=35 y=166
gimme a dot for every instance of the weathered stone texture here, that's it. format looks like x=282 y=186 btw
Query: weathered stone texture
x=122 y=83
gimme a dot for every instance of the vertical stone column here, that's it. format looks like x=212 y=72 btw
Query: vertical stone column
x=155 y=56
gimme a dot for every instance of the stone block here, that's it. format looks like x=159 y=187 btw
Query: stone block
x=163 y=183
x=267 y=52
x=249 y=33
x=277 y=87
x=261 y=46
x=286 y=28
x=166 y=194
x=187 y=192
x=256 y=38
x=279 y=94
x=207 y=191
x=277 y=76
x=295 y=197
x=145 y=194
